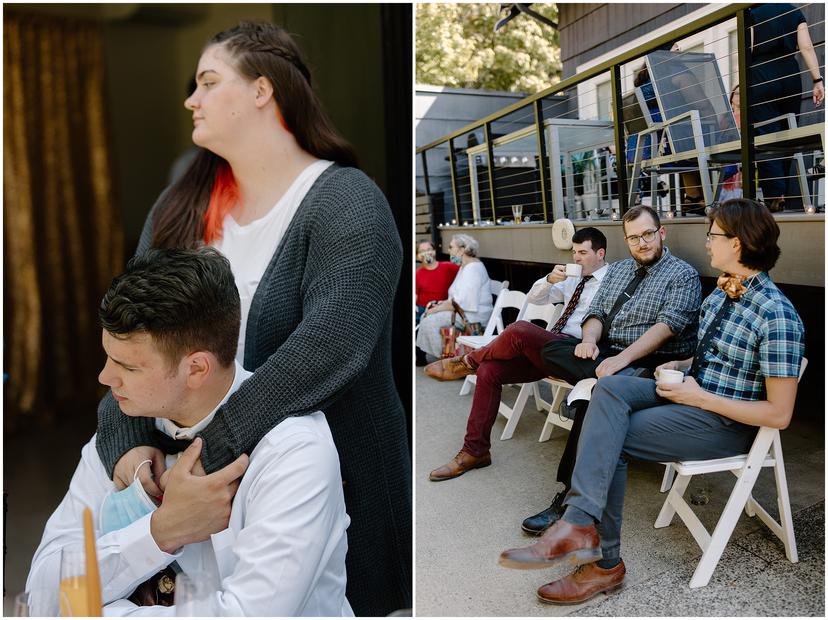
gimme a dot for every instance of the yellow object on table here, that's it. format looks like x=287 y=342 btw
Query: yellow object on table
x=74 y=598
x=93 y=577
x=80 y=594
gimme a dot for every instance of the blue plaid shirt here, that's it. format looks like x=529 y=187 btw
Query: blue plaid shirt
x=670 y=293
x=760 y=336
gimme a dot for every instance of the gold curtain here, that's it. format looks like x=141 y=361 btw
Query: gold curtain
x=63 y=240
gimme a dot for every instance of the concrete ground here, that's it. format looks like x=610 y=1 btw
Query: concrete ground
x=463 y=524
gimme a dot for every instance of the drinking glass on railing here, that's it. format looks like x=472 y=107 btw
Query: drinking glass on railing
x=73 y=593
x=195 y=594
x=517 y=211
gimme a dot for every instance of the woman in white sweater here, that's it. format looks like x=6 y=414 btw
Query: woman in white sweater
x=471 y=291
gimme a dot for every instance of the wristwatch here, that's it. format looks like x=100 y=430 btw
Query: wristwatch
x=819 y=79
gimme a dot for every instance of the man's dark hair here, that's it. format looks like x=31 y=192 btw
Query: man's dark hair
x=752 y=223
x=593 y=235
x=186 y=300
x=636 y=212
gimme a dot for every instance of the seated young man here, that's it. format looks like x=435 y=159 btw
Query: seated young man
x=743 y=375
x=515 y=355
x=170 y=331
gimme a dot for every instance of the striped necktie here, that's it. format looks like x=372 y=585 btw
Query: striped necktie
x=570 y=307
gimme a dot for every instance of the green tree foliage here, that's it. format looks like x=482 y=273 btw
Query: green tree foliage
x=457 y=46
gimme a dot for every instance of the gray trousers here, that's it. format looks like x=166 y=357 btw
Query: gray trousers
x=626 y=418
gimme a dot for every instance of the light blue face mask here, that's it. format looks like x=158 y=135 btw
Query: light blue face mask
x=120 y=508
x=457 y=260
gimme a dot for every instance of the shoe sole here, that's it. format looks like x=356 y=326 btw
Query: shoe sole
x=481 y=466
x=607 y=590
x=535 y=532
x=446 y=378
x=574 y=558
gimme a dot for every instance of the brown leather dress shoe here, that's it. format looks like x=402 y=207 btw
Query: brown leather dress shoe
x=561 y=542
x=587 y=581
x=450 y=369
x=459 y=465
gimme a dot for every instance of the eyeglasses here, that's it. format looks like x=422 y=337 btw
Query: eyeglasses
x=647 y=236
x=712 y=234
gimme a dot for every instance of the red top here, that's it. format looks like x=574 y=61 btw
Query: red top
x=433 y=284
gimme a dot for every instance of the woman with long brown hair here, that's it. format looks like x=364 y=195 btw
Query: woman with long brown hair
x=316 y=257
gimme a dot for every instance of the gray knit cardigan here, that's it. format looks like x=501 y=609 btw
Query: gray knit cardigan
x=318 y=338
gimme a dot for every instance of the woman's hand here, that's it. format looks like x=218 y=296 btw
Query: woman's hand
x=440 y=306
x=680 y=365
x=687 y=393
x=666 y=366
x=819 y=93
x=129 y=462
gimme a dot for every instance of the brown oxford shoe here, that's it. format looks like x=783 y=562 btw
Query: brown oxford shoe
x=459 y=465
x=450 y=369
x=587 y=581
x=561 y=542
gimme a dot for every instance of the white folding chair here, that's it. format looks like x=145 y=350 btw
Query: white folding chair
x=766 y=451
x=548 y=313
x=497 y=288
x=506 y=299
x=560 y=390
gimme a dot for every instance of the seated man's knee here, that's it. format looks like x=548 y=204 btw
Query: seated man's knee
x=611 y=383
x=518 y=327
x=487 y=372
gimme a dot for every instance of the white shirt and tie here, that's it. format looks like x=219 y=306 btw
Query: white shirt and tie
x=543 y=292
x=283 y=553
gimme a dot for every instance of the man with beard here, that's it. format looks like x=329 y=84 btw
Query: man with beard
x=645 y=314
x=743 y=375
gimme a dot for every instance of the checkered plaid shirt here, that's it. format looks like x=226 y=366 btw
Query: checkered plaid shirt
x=670 y=293
x=761 y=336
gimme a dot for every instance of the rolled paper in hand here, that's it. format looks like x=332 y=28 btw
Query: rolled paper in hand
x=93 y=577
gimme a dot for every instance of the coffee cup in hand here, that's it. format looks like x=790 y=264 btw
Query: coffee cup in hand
x=573 y=270
x=669 y=377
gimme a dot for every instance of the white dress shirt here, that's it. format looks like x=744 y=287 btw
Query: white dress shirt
x=283 y=553
x=543 y=292
x=472 y=292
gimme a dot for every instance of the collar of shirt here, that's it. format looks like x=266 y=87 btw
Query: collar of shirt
x=756 y=284
x=599 y=274
x=177 y=432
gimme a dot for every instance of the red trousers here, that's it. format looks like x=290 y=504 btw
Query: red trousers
x=513 y=357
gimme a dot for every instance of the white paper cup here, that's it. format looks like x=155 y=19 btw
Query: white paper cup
x=670 y=377
x=573 y=270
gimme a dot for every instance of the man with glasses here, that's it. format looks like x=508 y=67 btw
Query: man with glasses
x=742 y=375
x=645 y=314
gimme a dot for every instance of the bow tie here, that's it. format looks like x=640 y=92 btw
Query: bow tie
x=170 y=445
x=733 y=286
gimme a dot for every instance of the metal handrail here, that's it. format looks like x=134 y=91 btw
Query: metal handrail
x=535 y=103
x=716 y=17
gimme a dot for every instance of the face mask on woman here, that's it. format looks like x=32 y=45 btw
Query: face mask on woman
x=427 y=257
x=457 y=260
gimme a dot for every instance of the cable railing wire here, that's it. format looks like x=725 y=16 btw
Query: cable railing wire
x=561 y=107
